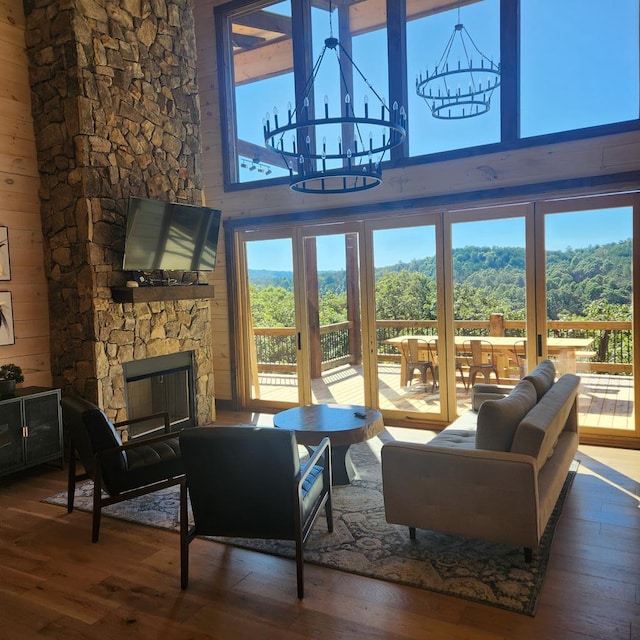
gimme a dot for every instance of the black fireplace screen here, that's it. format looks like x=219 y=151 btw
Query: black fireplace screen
x=160 y=384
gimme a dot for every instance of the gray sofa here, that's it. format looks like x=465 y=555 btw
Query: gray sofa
x=495 y=473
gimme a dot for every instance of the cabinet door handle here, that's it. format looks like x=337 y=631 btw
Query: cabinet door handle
x=25 y=432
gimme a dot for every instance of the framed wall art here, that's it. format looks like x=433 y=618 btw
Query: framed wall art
x=7 y=335
x=5 y=264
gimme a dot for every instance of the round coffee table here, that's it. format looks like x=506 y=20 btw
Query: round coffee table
x=343 y=424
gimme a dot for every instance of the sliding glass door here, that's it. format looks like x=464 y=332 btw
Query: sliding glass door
x=409 y=342
x=406 y=314
x=333 y=328
x=586 y=325
x=299 y=329
x=267 y=326
x=491 y=298
x=379 y=312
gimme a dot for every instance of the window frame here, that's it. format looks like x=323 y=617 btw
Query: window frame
x=398 y=86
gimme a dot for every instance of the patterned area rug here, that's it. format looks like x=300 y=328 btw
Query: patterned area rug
x=364 y=543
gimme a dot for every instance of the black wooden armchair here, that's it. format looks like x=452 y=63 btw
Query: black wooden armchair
x=245 y=481
x=122 y=470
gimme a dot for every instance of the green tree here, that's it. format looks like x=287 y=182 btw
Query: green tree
x=272 y=307
x=405 y=295
x=472 y=303
x=333 y=307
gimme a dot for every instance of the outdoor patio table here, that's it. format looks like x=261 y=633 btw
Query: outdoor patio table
x=563 y=349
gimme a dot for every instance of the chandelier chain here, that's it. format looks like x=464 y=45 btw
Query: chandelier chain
x=317 y=165
x=330 y=19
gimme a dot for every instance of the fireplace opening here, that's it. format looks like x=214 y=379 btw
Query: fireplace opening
x=155 y=385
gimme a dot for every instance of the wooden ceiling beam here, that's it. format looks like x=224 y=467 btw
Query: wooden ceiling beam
x=264 y=62
x=274 y=55
x=256 y=153
x=261 y=21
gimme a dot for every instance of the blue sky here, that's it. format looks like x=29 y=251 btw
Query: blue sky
x=563 y=230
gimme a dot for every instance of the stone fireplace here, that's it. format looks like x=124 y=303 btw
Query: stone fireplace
x=116 y=114
x=161 y=384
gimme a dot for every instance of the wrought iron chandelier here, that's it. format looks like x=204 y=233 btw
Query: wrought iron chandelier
x=461 y=89
x=352 y=162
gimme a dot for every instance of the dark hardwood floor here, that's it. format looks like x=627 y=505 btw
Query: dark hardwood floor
x=54 y=583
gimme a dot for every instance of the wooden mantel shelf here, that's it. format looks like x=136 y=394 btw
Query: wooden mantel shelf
x=161 y=293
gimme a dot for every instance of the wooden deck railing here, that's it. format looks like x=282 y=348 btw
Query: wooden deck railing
x=611 y=352
x=276 y=347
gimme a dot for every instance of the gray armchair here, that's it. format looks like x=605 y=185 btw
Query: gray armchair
x=245 y=481
x=122 y=470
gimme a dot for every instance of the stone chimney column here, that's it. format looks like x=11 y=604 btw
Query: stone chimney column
x=116 y=113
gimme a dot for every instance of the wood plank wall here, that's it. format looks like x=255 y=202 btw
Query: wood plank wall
x=213 y=180
x=20 y=205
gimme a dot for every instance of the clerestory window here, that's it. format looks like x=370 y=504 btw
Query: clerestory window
x=568 y=69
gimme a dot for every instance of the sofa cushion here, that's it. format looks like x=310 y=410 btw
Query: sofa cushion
x=498 y=420
x=542 y=377
x=460 y=434
x=538 y=432
x=484 y=391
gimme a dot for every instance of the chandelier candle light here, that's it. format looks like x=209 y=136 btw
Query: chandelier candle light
x=311 y=159
x=462 y=90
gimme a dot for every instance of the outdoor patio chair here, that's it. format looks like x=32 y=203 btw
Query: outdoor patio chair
x=483 y=360
x=520 y=353
x=413 y=351
x=463 y=362
x=119 y=471
x=248 y=482
x=432 y=355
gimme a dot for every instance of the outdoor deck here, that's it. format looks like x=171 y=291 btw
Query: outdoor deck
x=605 y=400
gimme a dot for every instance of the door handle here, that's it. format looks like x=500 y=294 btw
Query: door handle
x=539 y=345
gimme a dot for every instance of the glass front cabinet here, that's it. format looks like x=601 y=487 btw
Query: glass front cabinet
x=30 y=429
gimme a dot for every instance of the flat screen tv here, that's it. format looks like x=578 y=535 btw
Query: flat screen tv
x=167 y=236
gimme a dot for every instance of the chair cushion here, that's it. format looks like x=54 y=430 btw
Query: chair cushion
x=312 y=489
x=146 y=464
x=498 y=420
x=542 y=377
x=307 y=485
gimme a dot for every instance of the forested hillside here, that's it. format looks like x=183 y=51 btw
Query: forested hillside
x=593 y=282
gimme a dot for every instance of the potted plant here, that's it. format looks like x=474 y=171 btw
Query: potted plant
x=10 y=375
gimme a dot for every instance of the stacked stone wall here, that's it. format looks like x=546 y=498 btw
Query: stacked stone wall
x=116 y=114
